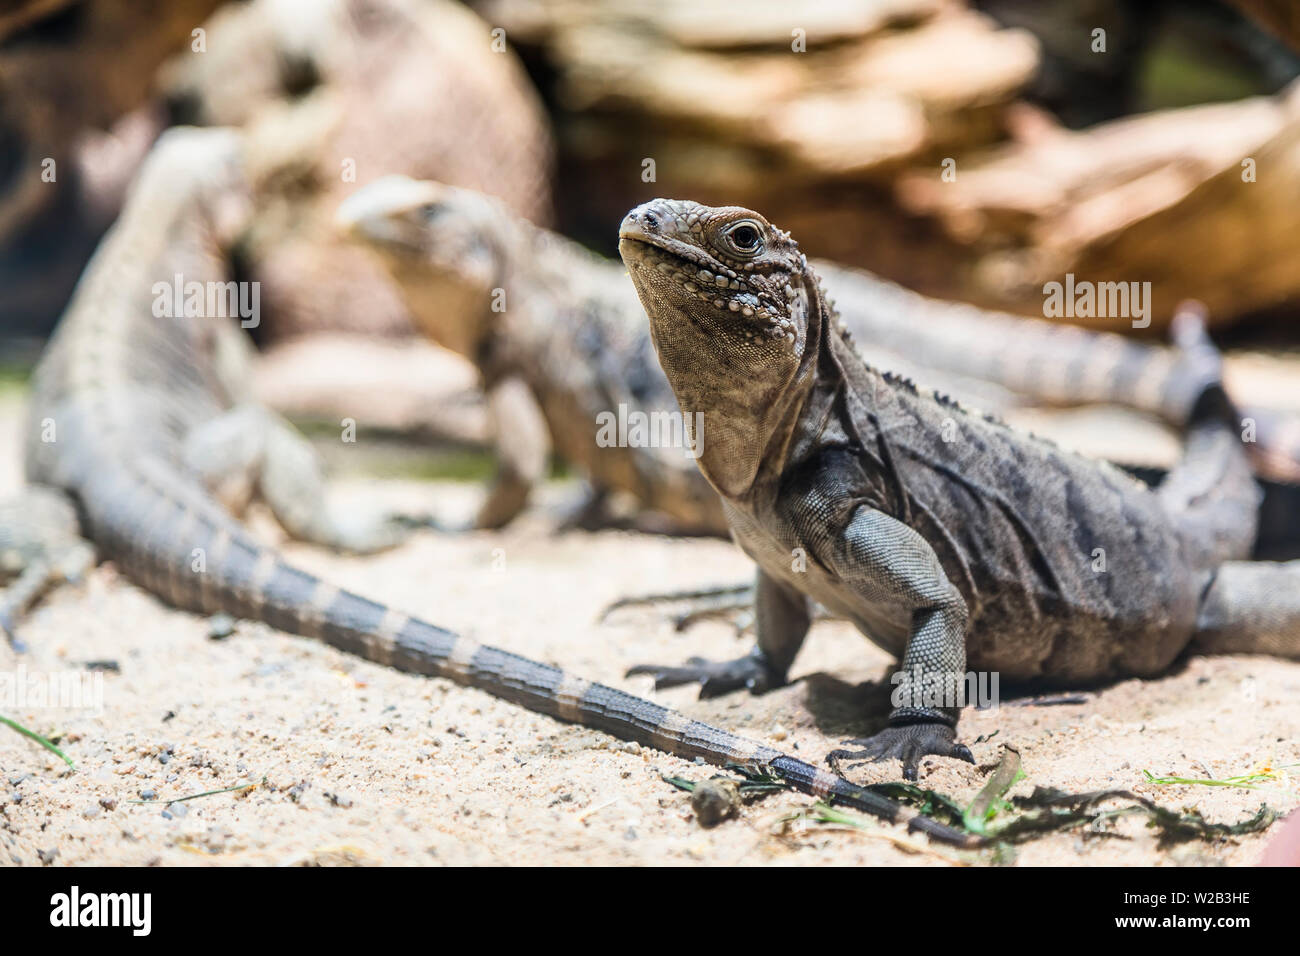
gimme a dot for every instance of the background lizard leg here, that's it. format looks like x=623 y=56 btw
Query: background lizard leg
x=523 y=447
x=782 y=618
x=250 y=451
x=40 y=547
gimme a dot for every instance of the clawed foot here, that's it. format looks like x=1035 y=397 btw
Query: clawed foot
x=906 y=742
x=715 y=677
x=372 y=534
x=732 y=603
x=7 y=629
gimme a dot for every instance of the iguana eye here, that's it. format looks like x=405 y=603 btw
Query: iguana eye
x=745 y=238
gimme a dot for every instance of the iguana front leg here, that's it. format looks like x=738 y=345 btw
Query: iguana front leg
x=523 y=446
x=782 y=619
x=887 y=564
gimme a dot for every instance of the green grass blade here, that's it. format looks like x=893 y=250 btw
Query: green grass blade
x=39 y=739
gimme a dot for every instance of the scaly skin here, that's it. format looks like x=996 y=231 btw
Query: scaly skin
x=117 y=401
x=947 y=538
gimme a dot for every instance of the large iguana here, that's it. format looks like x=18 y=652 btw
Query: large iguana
x=135 y=415
x=947 y=538
x=560 y=339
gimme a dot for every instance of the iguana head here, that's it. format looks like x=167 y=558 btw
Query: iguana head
x=445 y=247
x=733 y=311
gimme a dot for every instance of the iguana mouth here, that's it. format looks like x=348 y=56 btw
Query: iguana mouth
x=665 y=247
x=379 y=212
x=641 y=226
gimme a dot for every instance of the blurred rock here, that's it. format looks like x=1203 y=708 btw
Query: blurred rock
x=336 y=93
x=68 y=71
x=412 y=388
x=1162 y=197
x=805 y=113
x=846 y=144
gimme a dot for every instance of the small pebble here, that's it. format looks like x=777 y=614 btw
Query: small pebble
x=220 y=626
x=714 y=801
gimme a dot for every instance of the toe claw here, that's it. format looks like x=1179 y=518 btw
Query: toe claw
x=715 y=678
x=908 y=743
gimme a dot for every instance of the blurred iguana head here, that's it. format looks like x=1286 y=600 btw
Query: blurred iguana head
x=736 y=318
x=447 y=248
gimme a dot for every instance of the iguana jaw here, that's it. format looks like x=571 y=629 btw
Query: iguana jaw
x=728 y=330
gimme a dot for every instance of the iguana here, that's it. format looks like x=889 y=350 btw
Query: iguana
x=946 y=537
x=128 y=405
x=560 y=338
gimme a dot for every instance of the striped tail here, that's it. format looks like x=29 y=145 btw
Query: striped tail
x=185 y=549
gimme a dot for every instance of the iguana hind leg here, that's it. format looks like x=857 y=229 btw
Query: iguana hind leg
x=40 y=547
x=250 y=451
x=1251 y=607
x=1211 y=493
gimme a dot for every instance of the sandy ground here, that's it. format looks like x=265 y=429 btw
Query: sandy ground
x=354 y=763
